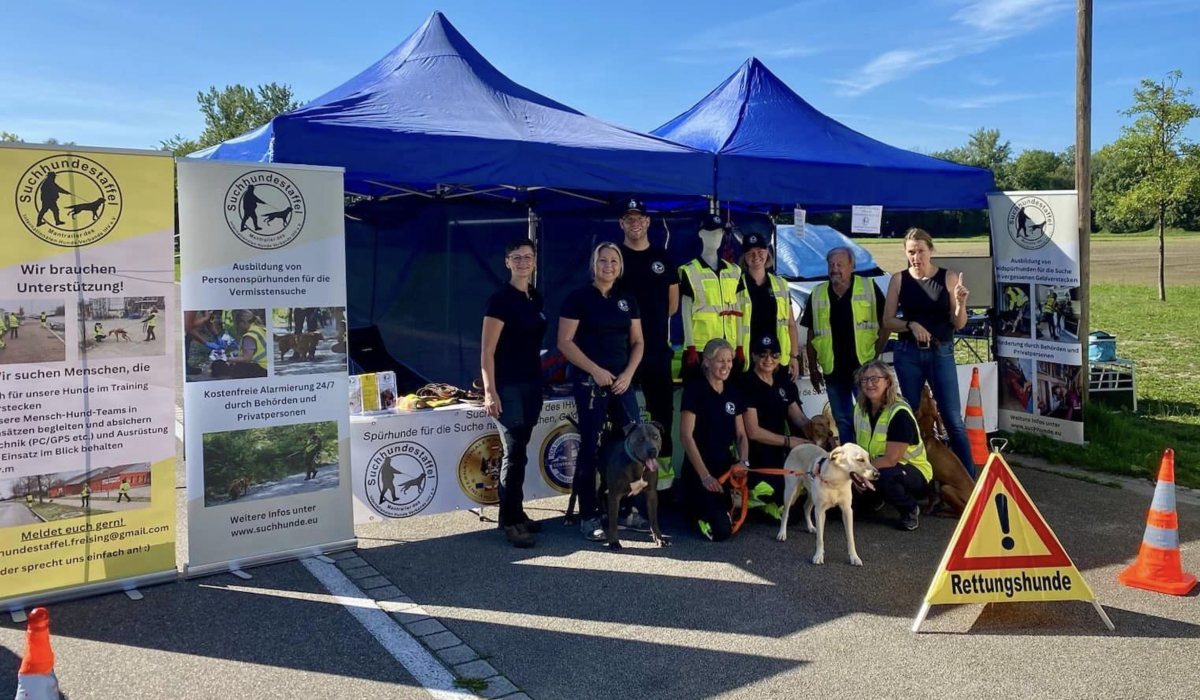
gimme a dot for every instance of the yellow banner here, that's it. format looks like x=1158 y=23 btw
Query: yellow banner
x=1003 y=550
x=89 y=327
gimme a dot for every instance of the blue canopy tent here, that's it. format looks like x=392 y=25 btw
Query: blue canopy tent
x=434 y=114
x=450 y=157
x=773 y=148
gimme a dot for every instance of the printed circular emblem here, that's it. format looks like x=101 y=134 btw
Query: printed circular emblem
x=560 y=449
x=264 y=209
x=401 y=479
x=1031 y=223
x=766 y=340
x=479 y=470
x=730 y=408
x=69 y=200
x=658 y=268
x=782 y=393
x=623 y=305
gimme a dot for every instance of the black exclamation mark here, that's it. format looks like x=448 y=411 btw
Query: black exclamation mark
x=1002 y=511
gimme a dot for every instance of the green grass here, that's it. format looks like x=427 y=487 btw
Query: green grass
x=475 y=685
x=56 y=511
x=1149 y=233
x=1162 y=338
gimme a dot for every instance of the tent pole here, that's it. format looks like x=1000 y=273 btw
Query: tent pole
x=533 y=227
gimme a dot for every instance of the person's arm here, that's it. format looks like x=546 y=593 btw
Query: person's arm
x=814 y=369
x=247 y=353
x=487 y=364
x=567 y=346
x=636 y=347
x=796 y=415
x=672 y=300
x=743 y=442
x=794 y=335
x=880 y=303
x=891 y=456
x=958 y=305
x=687 y=426
x=892 y=322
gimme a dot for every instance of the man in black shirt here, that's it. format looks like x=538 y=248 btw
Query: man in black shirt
x=651 y=278
x=835 y=348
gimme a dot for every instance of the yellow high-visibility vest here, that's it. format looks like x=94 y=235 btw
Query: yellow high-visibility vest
x=783 y=308
x=716 y=306
x=866 y=322
x=875 y=442
x=259 y=335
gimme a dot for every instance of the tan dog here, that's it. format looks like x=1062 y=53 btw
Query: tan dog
x=954 y=484
x=119 y=334
x=827 y=478
x=822 y=430
x=303 y=346
x=238 y=488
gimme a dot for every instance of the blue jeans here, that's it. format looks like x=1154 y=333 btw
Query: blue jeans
x=841 y=395
x=915 y=367
x=592 y=405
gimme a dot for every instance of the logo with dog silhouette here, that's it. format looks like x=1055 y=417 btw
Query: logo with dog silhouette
x=69 y=200
x=1031 y=223
x=264 y=209
x=401 y=479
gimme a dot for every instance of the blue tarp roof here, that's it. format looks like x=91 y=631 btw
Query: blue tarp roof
x=803 y=257
x=772 y=147
x=435 y=111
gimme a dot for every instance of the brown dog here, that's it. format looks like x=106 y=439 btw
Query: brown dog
x=822 y=431
x=954 y=484
x=238 y=488
x=303 y=346
x=119 y=334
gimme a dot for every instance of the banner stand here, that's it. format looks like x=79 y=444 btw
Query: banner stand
x=88 y=590
x=224 y=567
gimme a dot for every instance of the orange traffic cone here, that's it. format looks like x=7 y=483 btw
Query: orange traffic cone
x=1158 y=566
x=36 y=679
x=976 y=433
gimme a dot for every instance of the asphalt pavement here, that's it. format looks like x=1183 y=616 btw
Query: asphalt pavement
x=16 y=513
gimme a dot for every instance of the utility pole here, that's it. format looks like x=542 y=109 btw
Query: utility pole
x=1083 y=175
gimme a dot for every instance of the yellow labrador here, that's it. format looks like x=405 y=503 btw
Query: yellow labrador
x=827 y=479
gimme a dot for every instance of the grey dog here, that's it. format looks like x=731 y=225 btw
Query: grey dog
x=629 y=467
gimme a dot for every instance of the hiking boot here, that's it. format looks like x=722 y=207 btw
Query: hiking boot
x=531 y=525
x=591 y=530
x=910 y=521
x=518 y=537
x=634 y=521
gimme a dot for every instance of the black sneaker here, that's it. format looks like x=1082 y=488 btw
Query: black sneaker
x=531 y=525
x=911 y=520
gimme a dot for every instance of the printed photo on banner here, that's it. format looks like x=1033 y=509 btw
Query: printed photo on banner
x=118 y=327
x=309 y=340
x=479 y=470
x=225 y=344
x=1013 y=310
x=32 y=330
x=1058 y=313
x=260 y=463
x=39 y=498
x=558 y=454
x=1016 y=385
x=1060 y=391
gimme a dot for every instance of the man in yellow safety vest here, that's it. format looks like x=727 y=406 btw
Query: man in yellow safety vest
x=843 y=318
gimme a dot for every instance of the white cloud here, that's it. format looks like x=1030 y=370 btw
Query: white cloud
x=773 y=37
x=982 y=101
x=975 y=28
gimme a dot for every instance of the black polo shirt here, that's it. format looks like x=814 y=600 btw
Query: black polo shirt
x=763 y=309
x=603 y=332
x=518 y=350
x=902 y=428
x=841 y=324
x=716 y=429
x=648 y=275
x=770 y=403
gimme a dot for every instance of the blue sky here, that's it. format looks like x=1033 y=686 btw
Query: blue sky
x=919 y=74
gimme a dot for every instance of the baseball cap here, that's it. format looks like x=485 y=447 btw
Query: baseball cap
x=766 y=343
x=634 y=205
x=712 y=222
x=755 y=240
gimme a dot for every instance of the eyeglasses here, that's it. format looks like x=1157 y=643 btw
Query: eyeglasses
x=772 y=355
x=527 y=258
x=871 y=381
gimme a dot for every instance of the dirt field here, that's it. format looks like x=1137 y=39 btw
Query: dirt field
x=1113 y=262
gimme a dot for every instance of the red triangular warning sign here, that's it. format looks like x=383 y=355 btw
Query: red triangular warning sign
x=983 y=505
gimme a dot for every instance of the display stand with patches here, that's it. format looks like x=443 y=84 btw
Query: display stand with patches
x=87 y=300
x=1004 y=552
x=267 y=425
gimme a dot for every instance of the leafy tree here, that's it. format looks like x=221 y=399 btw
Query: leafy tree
x=237 y=109
x=179 y=146
x=261 y=454
x=1164 y=161
x=8 y=137
x=985 y=150
x=1043 y=170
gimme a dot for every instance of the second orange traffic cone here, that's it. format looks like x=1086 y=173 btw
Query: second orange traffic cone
x=36 y=679
x=976 y=433
x=1158 y=566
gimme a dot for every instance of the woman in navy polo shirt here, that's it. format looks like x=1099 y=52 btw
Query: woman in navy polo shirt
x=600 y=333
x=513 y=327
x=711 y=428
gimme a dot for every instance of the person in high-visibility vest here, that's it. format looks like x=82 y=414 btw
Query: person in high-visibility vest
x=767 y=305
x=886 y=427
x=1018 y=302
x=29 y=500
x=251 y=362
x=843 y=317
x=3 y=329
x=1048 y=315
x=85 y=496
x=98 y=332
x=123 y=490
x=710 y=300
x=42 y=318
x=14 y=324
x=150 y=322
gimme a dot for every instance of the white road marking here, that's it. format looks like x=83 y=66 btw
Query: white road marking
x=415 y=658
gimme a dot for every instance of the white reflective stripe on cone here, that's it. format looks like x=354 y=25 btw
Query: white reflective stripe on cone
x=1162 y=538
x=42 y=686
x=1164 y=497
